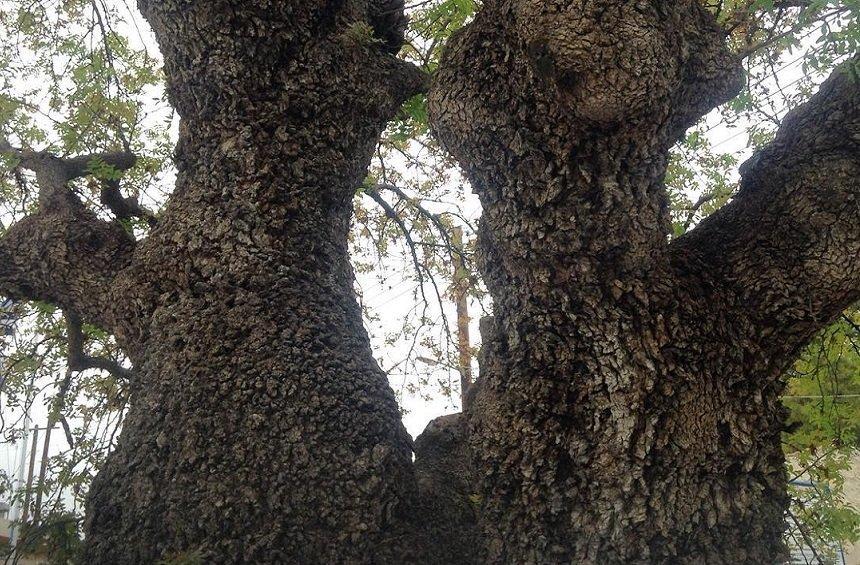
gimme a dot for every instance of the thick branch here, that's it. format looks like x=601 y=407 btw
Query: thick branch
x=53 y=173
x=63 y=253
x=389 y=22
x=85 y=164
x=562 y=118
x=786 y=251
x=68 y=258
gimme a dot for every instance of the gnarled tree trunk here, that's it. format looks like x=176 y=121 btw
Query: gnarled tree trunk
x=628 y=409
x=262 y=429
x=629 y=406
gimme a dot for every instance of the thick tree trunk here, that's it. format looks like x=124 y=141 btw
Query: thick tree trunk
x=261 y=428
x=628 y=407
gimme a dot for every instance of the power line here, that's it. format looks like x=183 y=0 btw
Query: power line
x=766 y=98
x=392 y=299
x=761 y=80
x=773 y=74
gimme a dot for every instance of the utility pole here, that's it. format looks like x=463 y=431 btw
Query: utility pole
x=22 y=459
x=461 y=290
x=37 y=507
x=26 y=512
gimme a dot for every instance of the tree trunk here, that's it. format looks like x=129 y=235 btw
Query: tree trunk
x=261 y=428
x=628 y=404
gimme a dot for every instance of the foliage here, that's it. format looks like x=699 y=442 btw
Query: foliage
x=360 y=34
x=824 y=430
x=57 y=540
x=824 y=387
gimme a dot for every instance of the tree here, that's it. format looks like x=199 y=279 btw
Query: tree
x=628 y=408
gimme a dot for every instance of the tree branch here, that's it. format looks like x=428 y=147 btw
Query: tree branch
x=63 y=253
x=124 y=208
x=82 y=165
x=772 y=37
x=565 y=186
x=391 y=213
x=792 y=4
x=692 y=210
x=851 y=323
x=53 y=173
x=786 y=250
x=435 y=219
x=79 y=360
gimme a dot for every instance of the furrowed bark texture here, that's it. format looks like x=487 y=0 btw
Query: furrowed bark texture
x=261 y=429
x=629 y=407
x=63 y=253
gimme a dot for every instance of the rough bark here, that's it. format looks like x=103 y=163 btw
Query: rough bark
x=262 y=429
x=629 y=409
x=628 y=405
x=63 y=253
x=786 y=249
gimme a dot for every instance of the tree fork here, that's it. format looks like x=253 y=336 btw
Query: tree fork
x=628 y=407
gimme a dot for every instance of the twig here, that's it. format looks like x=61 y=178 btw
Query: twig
x=704 y=199
x=410 y=243
x=436 y=219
